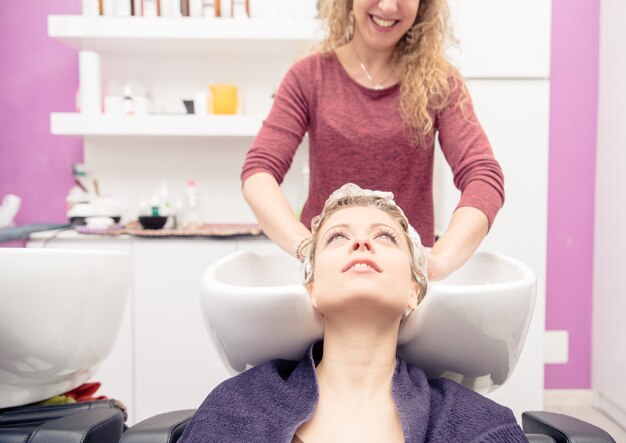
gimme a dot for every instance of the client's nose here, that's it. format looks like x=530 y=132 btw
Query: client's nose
x=361 y=244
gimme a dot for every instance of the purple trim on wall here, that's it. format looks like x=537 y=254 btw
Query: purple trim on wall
x=571 y=184
x=13 y=244
x=39 y=76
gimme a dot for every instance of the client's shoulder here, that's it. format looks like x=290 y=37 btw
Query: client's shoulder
x=461 y=414
x=266 y=377
x=443 y=391
x=448 y=392
x=256 y=405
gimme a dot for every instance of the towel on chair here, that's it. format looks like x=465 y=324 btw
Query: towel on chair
x=268 y=403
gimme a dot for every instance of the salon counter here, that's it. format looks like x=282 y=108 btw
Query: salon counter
x=13 y=233
x=163 y=359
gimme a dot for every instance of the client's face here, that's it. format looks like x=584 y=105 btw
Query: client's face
x=362 y=265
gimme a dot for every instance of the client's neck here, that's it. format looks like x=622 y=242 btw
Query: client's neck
x=358 y=362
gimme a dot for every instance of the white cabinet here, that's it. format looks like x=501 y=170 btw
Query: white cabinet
x=176 y=364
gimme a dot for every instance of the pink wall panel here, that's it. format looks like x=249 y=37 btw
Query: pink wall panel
x=571 y=184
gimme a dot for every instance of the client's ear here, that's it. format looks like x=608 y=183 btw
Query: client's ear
x=309 y=288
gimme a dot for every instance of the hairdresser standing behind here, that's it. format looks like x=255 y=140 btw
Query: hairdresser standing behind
x=372 y=100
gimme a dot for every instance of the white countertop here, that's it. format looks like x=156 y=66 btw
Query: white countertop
x=71 y=234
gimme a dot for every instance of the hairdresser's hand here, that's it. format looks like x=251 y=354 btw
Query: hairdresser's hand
x=466 y=230
x=438 y=267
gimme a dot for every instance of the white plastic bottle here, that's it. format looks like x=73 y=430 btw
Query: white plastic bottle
x=192 y=218
x=240 y=9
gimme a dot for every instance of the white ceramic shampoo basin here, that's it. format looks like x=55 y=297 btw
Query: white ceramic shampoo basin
x=60 y=313
x=470 y=327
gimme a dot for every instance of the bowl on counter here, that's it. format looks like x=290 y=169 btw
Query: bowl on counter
x=152 y=221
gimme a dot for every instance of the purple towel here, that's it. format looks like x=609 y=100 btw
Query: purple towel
x=269 y=402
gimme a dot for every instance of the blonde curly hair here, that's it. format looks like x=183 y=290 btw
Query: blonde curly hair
x=427 y=78
x=351 y=195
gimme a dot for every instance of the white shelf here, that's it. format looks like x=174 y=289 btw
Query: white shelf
x=155 y=125
x=185 y=35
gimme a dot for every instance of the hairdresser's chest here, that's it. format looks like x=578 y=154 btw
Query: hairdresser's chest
x=360 y=125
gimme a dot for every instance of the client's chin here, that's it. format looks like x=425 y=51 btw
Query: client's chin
x=366 y=305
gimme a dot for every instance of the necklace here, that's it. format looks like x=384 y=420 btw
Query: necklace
x=377 y=85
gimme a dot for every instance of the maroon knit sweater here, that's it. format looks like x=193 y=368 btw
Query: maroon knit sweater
x=357 y=135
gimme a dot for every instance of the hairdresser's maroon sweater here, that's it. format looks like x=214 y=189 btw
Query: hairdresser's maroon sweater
x=357 y=135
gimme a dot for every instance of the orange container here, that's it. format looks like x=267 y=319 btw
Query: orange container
x=225 y=98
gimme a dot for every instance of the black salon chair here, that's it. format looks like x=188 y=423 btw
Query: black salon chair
x=100 y=421
x=540 y=427
x=103 y=422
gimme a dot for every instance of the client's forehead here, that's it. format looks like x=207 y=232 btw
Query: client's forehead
x=360 y=216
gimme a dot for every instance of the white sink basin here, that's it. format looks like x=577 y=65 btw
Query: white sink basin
x=470 y=327
x=60 y=313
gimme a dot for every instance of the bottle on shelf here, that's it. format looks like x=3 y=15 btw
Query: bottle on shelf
x=224 y=8
x=196 y=8
x=170 y=8
x=184 y=8
x=166 y=204
x=150 y=8
x=240 y=8
x=90 y=82
x=192 y=217
x=210 y=8
x=90 y=8
x=122 y=8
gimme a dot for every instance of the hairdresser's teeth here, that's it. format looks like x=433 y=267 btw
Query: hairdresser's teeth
x=384 y=23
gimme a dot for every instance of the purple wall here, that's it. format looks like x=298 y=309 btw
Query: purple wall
x=571 y=182
x=39 y=76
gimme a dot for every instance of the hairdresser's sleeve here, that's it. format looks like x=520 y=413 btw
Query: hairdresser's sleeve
x=282 y=131
x=466 y=148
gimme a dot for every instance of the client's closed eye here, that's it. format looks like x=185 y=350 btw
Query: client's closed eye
x=388 y=235
x=335 y=235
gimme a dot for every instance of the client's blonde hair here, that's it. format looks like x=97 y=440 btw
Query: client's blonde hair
x=350 y=195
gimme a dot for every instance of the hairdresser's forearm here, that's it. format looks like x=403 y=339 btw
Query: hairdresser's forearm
x=465 y=232
x=273 y=211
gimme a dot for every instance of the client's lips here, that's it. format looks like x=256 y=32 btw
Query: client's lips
x=362 y=261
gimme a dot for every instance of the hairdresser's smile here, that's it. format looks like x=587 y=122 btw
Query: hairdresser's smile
x=380 y=24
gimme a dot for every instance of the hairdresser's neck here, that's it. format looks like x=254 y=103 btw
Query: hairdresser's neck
x=372 y=57
x=358 y=362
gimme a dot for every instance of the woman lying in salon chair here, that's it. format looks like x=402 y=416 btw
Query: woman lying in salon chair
x=365 y=274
